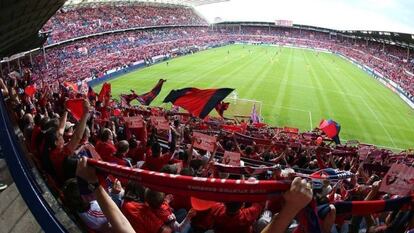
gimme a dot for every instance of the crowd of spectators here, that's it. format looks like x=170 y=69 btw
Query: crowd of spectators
x=84 y=20
x=93 y=57
x=58 y=144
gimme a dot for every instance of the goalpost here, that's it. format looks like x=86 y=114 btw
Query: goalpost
x=240 y=108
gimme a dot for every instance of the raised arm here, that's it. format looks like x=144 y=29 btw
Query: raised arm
x=111 y=211
x=62 y=122
x=190 y=152
x=80 y=129
x=4 y=89
x=237 y=145
x=299 y=195
x=214 y=152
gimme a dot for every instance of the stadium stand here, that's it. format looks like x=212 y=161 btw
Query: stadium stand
x=326 y=187
x=89 y=19
x=95 y=56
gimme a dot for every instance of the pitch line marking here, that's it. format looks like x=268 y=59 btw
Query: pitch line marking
x=382 y=146
x=380 y=122
x=325 y=90
x=310 y=120
x=279 y=106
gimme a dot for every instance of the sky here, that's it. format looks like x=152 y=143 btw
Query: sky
x=378 y=15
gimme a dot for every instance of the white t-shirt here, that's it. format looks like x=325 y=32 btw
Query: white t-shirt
x=94 y=218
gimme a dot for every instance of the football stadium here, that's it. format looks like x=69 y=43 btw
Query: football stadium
x=206 y=116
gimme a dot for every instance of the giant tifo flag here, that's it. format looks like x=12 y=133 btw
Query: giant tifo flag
x=196 y=101
x=147 y=98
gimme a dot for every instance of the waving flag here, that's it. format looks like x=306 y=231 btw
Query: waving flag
x=196 y=101
x=105 y=93
x=123 y=101
x=91 y=94
x=127 y=98
x=331 y=129
x=233 y=128
x=147 y=98
x=30 y=90
x=75 y=106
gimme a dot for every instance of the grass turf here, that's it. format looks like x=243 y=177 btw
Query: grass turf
x=297 y=87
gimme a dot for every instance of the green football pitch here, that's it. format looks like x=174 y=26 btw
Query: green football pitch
x=295 y=87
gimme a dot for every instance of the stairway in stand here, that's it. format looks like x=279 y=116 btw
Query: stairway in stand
x=14 y=214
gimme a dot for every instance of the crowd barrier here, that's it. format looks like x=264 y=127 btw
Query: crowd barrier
x=115 y=74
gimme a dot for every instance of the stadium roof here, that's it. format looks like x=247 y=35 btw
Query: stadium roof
x=175 y=2
x=21 y=22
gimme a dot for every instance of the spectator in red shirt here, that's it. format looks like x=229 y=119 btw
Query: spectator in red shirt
x=234 y=217
x=105 y=146
x=120 y=155
x=56 y=150
x=36 y=139
x=27 y=124
x=142 y=216
x=156 y=161
x=122 y=149
x=136 y=150
x=155 y=214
